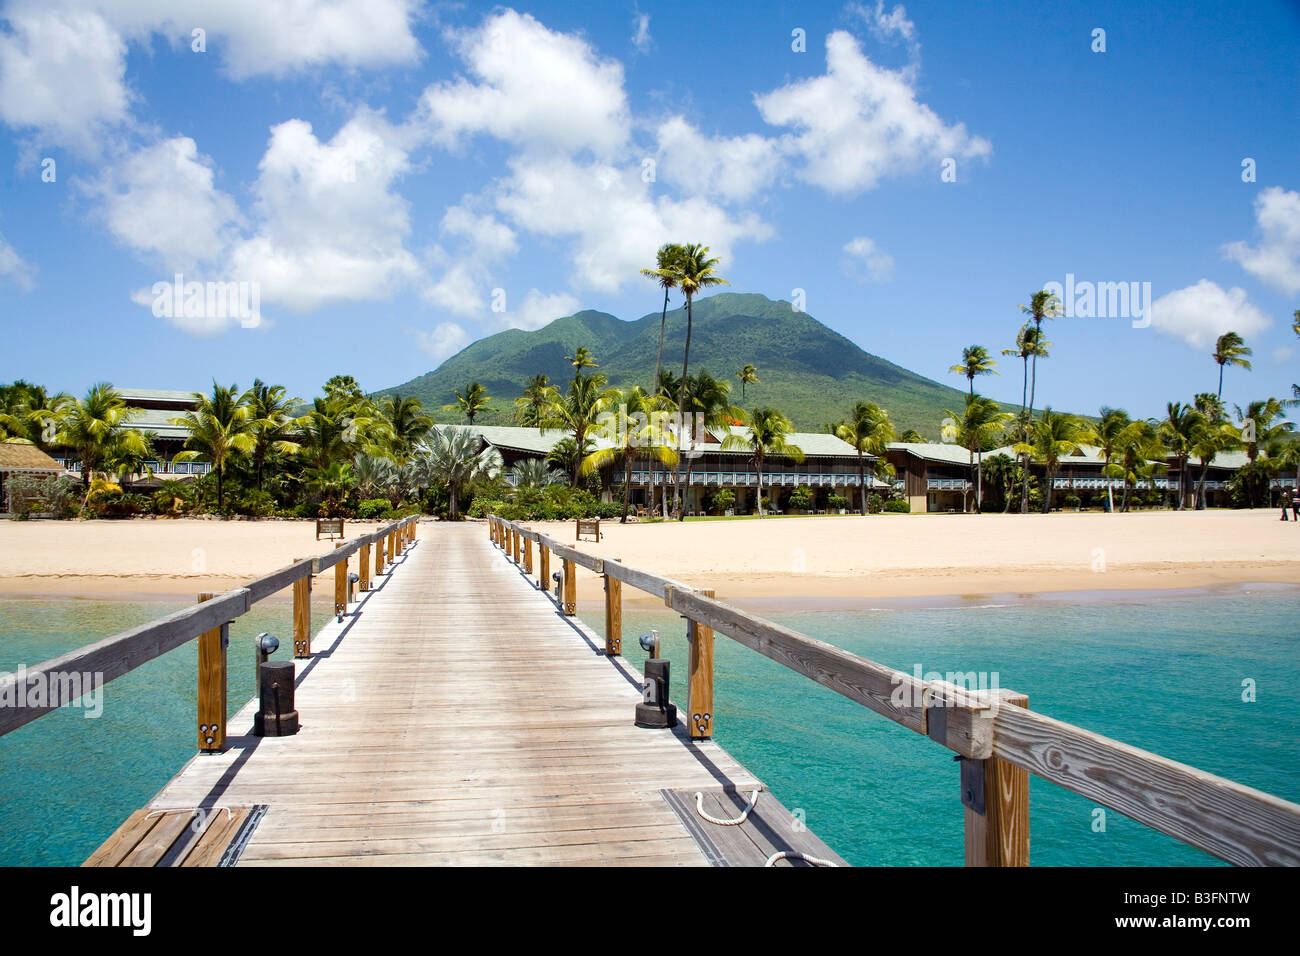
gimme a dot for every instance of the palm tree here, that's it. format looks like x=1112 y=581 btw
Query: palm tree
x=695 y=271
x=975 y=360
x=271 y=423
x=537 y=395
x=1230 y=349
x=637 y=428
x=453 y=457
x=38 y=414
x=666 y=274
x=218 y=427
x=1179 y=431
x=748 y=376
x=1106 y=435
x=406 y=423
x=332 y=483
x=374 y=475
x=869 y=432
x=978 y=426
x=911 y=437
x=534 y=473
x=1140 y=454
x=473 y=400
x=707 y=404
x=1213 y=435
x=581 y=359
x=95 y=426
x=1043 y=305
x=578 y=411
x=767 y=436
x=1056 y=434
x=1264 y=429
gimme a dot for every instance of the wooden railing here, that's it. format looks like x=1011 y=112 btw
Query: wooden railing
x=998 y=740
x=208 y=621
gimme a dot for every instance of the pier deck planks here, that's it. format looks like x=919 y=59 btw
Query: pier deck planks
x=459 y=719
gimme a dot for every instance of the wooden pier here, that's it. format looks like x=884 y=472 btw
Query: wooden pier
x=456 y=713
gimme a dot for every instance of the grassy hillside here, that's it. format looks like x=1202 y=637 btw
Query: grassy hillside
x=807 y=370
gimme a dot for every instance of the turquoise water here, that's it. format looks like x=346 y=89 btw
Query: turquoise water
x=68 y=780
x=1165 y=675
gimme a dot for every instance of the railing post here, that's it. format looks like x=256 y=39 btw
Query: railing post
x=379 y=556
x=302 y=615
x=997 y=820
x=365 y=567
x=699 y=679
x=570 y=589
x=515 y=544
x=544 y=567
x=340 y=584
x=212 y=686
x=528 y=555
x=613 y=615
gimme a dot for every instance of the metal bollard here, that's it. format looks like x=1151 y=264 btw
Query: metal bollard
x=275 y=715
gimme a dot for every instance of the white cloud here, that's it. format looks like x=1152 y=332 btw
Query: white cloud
x=866 y=261
x=445 y=340
x=488 y=236
x=641 y=38
x=1200 y=313
x=61 y=75
x=161 y=201
x=1276 y=259
x=539 y=309
x=889 y=25
x=13 y=268
x=860 y=122
x=614 y=222
x=460 y=290
x=531 y=87
x=732 y=168
x=330 y=226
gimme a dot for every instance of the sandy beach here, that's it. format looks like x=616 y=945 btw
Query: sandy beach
x=852 y=557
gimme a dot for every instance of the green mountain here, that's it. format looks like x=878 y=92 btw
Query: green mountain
x=810 y=372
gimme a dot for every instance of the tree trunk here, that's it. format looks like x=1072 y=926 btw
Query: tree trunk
x=654 y=390
x=1200 y=486
x=1024 y=494
x=862 y=482
x=758 y=472
x=681 y=403
x=1047 y=491
x=627 y=489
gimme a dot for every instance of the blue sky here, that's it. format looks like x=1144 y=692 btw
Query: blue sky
x=386 y=171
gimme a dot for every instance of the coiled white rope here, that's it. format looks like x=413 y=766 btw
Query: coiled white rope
x=796 y=855
x=699 y=805
x=737 y=821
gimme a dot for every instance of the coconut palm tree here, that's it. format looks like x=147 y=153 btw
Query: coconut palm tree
x=666 y=273
x=537 y=395
x=707 y=406
x=1056 y=434
x=577 y=412
x=766 y=437
x=37 y=414
x=473 y=400
x=911 y=437
x=218 y=427
x=1230 y=349
x=869 y=431
x=1138 y=447
x=696 y=270
x=1106 y=435
x=975 y=360
x=581 y=359
x=978 y=426
x=1261 y=425
x=407 y=423
x=272 y=423
x=635 y=429
x=748 y=376
x=453 y=457
x=94 y=427
x=1042 y=305
x=332 y=483
x=1178 y=431
x=1212 y=436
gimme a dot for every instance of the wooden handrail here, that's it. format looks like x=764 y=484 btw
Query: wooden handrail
x=121 y=653
x=1226 y=819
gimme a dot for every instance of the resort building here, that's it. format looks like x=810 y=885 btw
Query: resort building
x=829 y=468
x=934 y=476
x=22 y=458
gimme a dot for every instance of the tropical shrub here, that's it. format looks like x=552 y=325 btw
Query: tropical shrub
x=25 y=494
x=875 y=504
x=373 y=508
x=801 y=498
x=1071 y=501
x=902 y=507
x=258 y=503
x=724 y=500
x=837 y=502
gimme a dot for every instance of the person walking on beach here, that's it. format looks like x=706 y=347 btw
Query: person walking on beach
x=1295 y=504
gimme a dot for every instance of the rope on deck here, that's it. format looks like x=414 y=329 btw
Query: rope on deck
x=737 y=821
